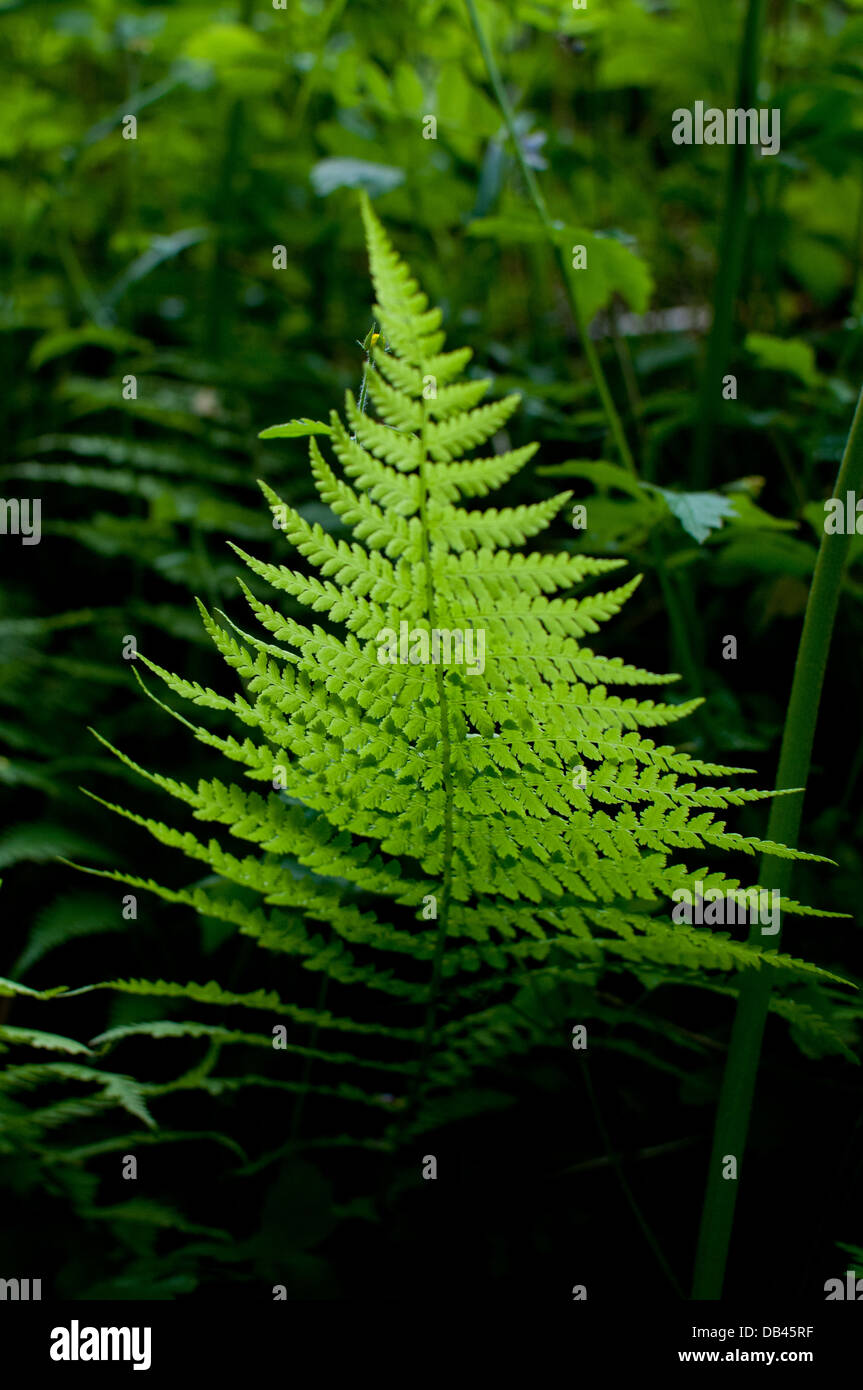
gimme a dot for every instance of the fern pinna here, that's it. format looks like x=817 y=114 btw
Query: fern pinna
x=433 y=828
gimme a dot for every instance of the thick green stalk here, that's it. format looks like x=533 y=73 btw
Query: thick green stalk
x=741 y=1068
x=732 y=242
x=539 y=203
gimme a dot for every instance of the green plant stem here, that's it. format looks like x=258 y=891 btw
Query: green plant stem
x=741 y=1068
x=551 y=232
x=446 y=773
x=732 y=243
x=627 y=369
x=367 y=367
x=680 y=649
x=657 y=552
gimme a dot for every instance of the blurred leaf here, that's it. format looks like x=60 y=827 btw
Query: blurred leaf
x=242 y=60
x=784 y=355
x=162 y=248
x=298 y=1210
x=611 y=268
x=745 y=512
x=66 y=919
x=598 y=471
x=91 y=335
x=40 y=841
x=699 y=513
x=765 y=552
x=330 y=174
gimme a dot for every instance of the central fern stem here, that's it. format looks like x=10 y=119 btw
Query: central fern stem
x=446 y=773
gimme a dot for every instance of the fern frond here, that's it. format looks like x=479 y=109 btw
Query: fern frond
x=421 y=742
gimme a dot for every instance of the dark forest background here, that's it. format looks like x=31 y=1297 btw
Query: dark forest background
x=153 y=257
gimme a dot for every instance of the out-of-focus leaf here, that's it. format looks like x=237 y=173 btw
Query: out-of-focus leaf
x=330 y=174
x=611 y=268
x=745 y=512
x=91 y=335
x=699 y=513
x=162 y=248
x=241 y=59
x=67 y=918
x=35 y=843
x=784 y=355
x=595 y=471
x=767 y=552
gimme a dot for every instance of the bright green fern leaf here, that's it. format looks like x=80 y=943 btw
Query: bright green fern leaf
x=440 y=784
